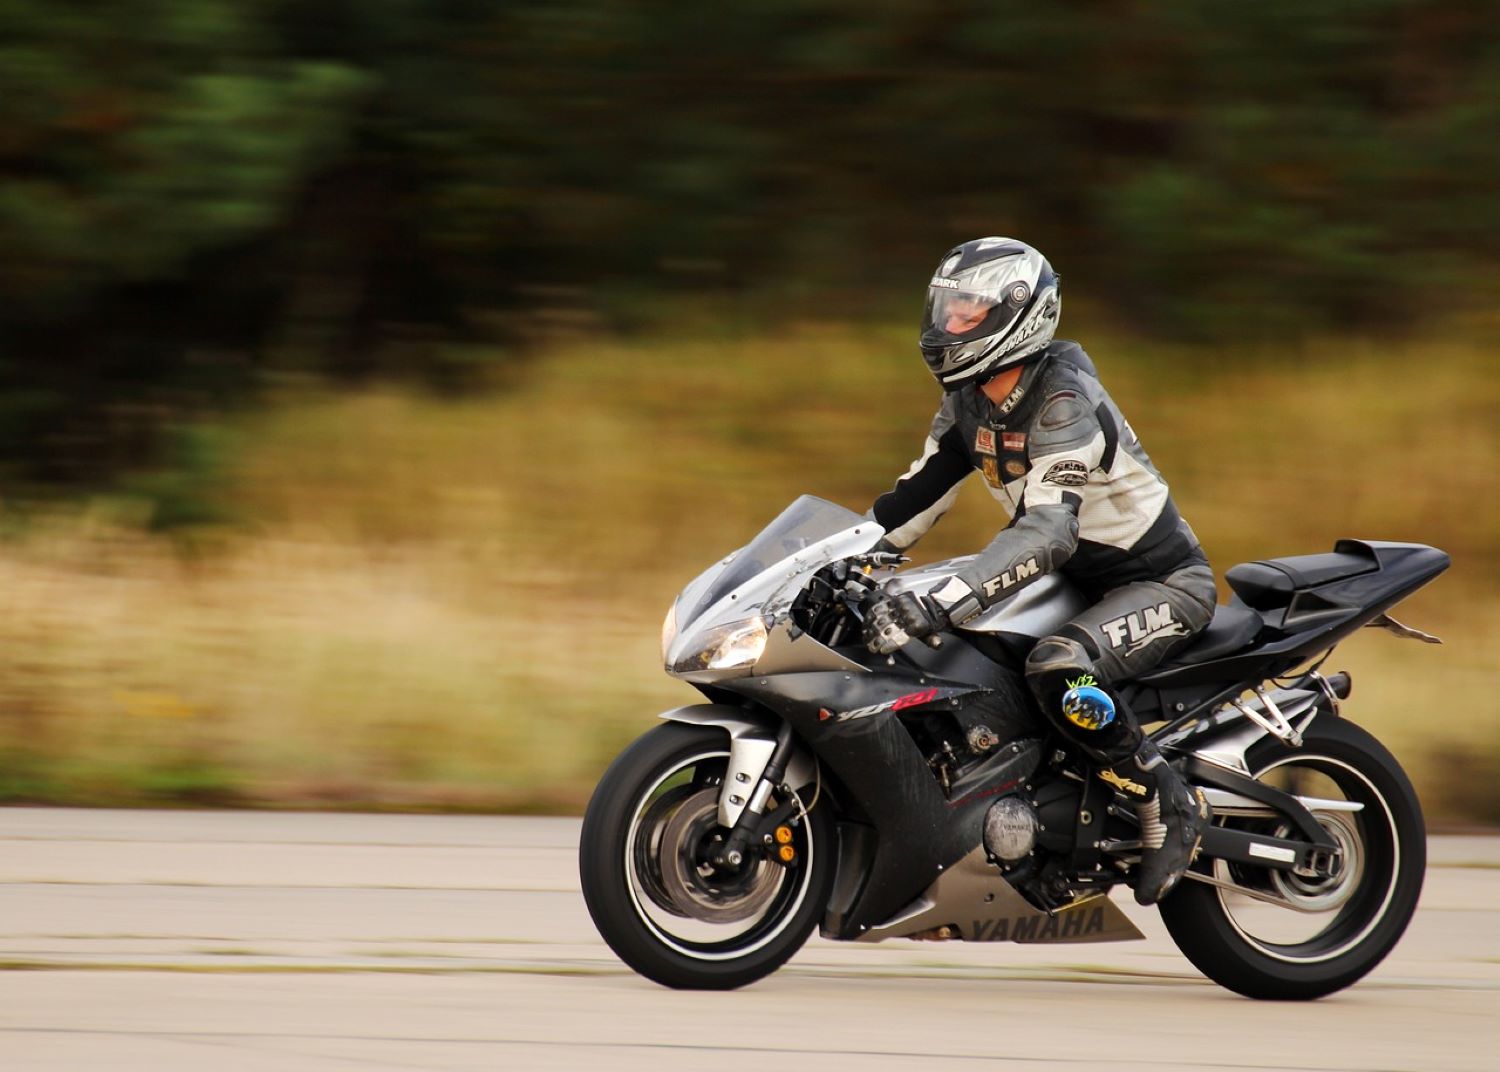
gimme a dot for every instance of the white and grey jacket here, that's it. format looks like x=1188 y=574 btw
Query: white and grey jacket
x=1083 y=496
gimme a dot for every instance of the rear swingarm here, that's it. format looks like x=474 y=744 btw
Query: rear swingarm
x=1318 y=855
x=1314 y=855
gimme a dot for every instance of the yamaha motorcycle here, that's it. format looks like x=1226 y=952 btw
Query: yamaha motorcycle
x=920 y=795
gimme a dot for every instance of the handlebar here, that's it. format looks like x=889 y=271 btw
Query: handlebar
x=879 y=560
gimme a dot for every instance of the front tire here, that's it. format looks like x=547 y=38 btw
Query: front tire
x=1340 y=927
x=659 y=905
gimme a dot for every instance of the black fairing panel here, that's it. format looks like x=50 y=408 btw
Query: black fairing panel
x=1315 y=617
x=918 y=830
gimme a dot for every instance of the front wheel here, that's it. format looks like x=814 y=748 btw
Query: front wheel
x=652 y=889
x=1296 y=937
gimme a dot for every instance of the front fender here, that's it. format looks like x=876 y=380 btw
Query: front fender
x=752 y=739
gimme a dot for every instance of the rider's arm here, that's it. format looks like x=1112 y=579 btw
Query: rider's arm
x=1067 y=445
x=927 y=489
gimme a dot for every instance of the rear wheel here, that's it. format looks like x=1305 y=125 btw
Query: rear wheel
x=1296 y=937
x=650 y=884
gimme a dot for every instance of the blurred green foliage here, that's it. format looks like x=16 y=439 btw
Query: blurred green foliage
x=196 y=195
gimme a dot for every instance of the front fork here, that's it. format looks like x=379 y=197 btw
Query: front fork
x=748 y=827
x=763 y=755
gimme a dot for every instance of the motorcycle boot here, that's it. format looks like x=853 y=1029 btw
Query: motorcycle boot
x=1173 y=816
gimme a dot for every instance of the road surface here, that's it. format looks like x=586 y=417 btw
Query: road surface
x=255 y=941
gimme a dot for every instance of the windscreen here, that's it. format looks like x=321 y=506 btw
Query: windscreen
x=805 y=522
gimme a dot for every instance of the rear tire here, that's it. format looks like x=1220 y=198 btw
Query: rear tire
x=1368 y=910
x=657 y=905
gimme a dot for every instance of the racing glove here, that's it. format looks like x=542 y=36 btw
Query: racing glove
x=893 y=621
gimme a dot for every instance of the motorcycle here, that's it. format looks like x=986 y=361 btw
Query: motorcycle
x=920 y=795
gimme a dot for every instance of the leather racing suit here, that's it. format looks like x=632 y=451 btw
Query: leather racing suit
x=1085 y=499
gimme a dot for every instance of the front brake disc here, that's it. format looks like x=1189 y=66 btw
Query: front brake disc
x=697 y=888
x=647 y=847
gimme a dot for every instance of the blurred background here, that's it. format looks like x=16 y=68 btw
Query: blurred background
x=372 y=375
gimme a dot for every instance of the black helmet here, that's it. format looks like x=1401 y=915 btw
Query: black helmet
x=992 y=304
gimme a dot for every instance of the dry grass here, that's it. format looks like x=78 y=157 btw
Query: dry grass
x=428 y=603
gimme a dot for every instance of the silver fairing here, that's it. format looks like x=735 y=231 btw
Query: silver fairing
x=759 y=582
x=1035 y=611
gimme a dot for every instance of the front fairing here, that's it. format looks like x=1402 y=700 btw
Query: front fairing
x=759 y=582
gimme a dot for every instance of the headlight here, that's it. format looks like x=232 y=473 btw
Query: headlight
x=668 y=630
x=727 y=647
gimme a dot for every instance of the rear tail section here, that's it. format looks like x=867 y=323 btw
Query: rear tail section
x=1288 y=610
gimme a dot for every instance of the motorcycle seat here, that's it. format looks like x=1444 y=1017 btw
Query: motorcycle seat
x=1269 y=584
x=1233 y=626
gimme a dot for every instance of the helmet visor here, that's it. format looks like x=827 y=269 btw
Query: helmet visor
x=977 y=302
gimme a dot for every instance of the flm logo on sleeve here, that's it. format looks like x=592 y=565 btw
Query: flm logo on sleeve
x=1011 y=577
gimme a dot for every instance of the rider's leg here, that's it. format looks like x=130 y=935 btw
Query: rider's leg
x=1132 y=629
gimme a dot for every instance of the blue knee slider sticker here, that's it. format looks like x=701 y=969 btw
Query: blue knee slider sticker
x=1087 y=706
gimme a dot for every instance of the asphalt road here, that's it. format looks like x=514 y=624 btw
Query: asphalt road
x=236 y=941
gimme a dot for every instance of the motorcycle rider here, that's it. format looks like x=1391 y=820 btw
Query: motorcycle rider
x=1028 y=411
